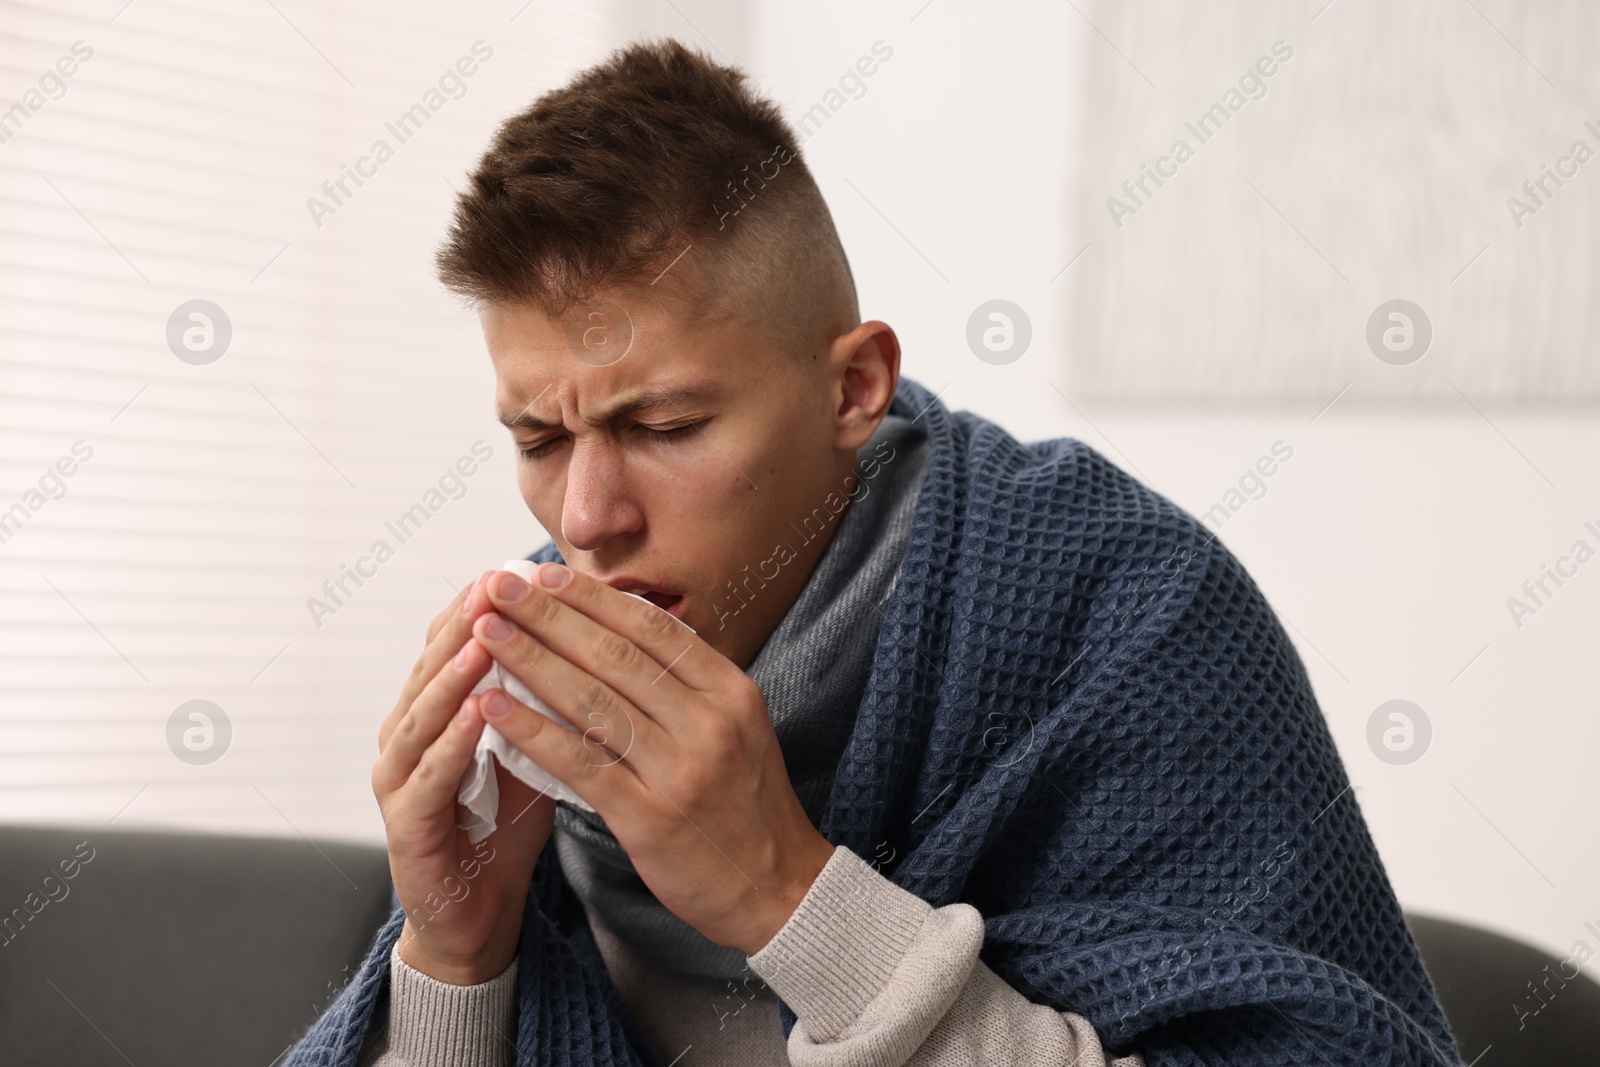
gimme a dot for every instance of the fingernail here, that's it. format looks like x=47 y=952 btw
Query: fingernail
x=464 y=656
x=497 y=628
x=510 y=588
x=464 y=715
x=554 y=575
x=496 y=704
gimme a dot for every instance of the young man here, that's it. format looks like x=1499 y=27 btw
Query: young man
x=931 y=747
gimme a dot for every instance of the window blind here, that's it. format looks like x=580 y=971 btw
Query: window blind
x=172 y=511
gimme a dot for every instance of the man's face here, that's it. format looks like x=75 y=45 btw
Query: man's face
x=670 y=467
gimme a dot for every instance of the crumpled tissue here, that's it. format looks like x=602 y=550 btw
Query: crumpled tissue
x=480 y=790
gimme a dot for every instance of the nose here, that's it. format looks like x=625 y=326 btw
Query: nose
x=598 y=504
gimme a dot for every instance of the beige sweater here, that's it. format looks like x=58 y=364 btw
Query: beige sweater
x=876 y=976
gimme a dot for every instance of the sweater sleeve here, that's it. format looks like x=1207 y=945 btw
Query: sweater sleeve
x=877 y=977
x=435 y=1024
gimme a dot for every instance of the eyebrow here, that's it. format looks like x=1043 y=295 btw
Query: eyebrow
x=645 y=400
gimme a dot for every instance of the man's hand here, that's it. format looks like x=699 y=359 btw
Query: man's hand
x=463 y=903
x=676 y=750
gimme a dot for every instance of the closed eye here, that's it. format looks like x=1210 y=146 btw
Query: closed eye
x=540 y=450
x=669 y=434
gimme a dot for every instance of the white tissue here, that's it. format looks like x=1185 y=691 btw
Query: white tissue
x=480 y=791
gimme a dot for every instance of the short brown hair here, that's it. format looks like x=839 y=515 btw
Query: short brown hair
x=607 y=180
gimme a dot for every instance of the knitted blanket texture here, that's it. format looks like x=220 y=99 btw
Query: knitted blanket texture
x=1084 y=720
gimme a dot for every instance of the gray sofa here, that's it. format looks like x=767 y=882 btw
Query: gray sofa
x=175 y=949
x=168 y=949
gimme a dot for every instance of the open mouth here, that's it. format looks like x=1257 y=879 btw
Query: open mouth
x=671 y=603
x=668 y=602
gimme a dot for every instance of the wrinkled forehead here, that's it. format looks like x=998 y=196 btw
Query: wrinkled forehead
x=616 y=355
x=678 y=297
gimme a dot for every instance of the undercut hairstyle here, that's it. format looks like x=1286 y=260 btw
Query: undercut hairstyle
x=656 y=159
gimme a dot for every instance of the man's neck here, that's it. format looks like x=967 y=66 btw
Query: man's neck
x=753 y=601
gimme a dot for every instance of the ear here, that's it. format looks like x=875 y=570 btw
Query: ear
x=868 y=358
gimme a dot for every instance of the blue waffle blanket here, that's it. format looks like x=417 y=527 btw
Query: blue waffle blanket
x=1084 y=720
